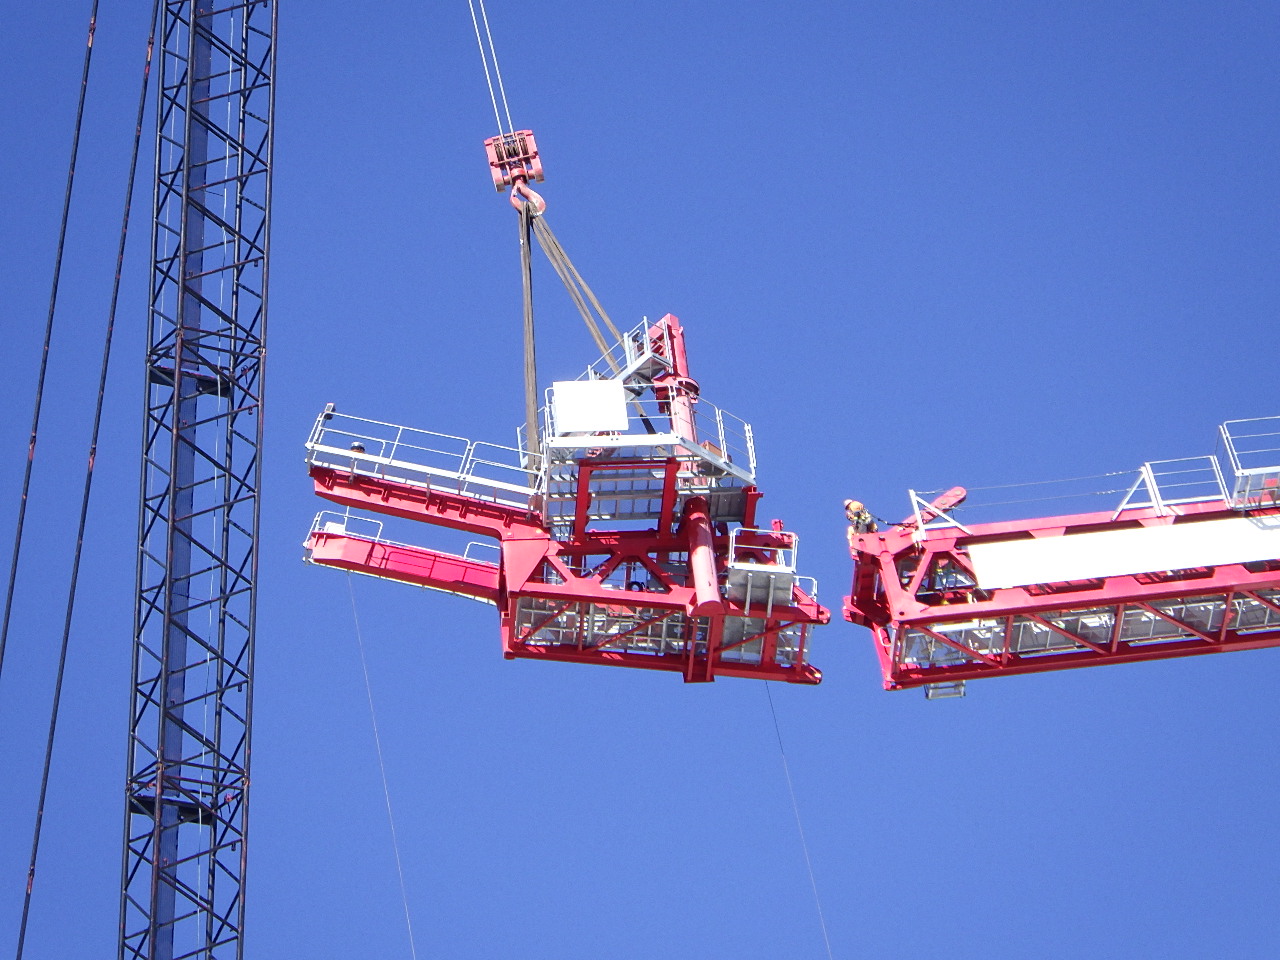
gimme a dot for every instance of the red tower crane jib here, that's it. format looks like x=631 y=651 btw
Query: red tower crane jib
x=1161 y=576
x=627 y=537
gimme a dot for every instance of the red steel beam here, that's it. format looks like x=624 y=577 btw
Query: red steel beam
x=892 y=593
x=414 y=565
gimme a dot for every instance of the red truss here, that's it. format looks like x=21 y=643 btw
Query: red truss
x=919 y=592
x=632 y=546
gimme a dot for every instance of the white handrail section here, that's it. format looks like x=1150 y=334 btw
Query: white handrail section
x=719 y=437
x=439 y=461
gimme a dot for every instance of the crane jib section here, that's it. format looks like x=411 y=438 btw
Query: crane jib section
x=631 y=540
x=1161 y=576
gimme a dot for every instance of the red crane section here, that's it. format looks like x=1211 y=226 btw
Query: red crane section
x=626 y=537
x=1188 y=564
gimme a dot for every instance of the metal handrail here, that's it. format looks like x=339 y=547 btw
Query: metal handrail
x=466 y=466
x=321 y=524
x=629 y=353
x=730 y=435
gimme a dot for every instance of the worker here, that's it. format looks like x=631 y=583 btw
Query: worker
x=860 y=521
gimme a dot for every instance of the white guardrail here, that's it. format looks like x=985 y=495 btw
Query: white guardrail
x=485 y=471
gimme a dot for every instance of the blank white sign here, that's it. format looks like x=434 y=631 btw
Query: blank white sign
x=588 y=406
x=1110 y=553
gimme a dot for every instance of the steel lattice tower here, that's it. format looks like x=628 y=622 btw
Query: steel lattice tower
x=186 y=817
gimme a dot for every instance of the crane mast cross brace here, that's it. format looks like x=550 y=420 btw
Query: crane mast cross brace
x=1188 y=564
x=631 y=541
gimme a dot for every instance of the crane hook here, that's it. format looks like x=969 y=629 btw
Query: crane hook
x=522 y=193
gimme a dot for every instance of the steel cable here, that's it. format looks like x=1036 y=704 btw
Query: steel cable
x=582 y=294
x=48 y=337
x=497 y=70
x=87 y=489
x=484 y=61
x=1035 y=483
x=386 y=791
x=577 y=287
x=532 y=439
x=795 y=809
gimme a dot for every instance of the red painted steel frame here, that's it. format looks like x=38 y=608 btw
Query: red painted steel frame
x=513 y=157
x=582 y=566
x=908 y=590
x=653 y=598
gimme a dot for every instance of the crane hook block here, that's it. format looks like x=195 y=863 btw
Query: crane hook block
x=513 y=157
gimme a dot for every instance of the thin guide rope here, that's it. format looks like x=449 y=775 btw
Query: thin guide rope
x=795 y=808
x=386 y=792
x=1038 y=483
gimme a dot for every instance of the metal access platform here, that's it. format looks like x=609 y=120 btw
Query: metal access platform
x=1188 y=563
x=626 y=535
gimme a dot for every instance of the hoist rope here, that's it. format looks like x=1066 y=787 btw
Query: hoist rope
x=532 y=439
x=485 y=56
x=48 y=337
x=386 y=791
x=91 y=459
x=795 y=809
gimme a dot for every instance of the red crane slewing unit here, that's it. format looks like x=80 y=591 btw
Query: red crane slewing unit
x=628 y=538
x=1188 y=564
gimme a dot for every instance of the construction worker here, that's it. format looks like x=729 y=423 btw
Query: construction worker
x=860 y=521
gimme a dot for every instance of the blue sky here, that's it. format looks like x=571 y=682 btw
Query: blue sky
x=915 y=244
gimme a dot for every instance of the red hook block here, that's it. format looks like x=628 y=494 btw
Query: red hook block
x=513 y=157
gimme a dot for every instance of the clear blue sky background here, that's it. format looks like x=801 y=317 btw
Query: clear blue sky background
x=915 y=243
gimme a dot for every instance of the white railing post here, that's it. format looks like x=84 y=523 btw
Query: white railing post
x=395 y=444
x=1149 y=476
x=464 y=468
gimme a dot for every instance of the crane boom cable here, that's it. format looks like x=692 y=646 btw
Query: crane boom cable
x=48 y=337
x=386 y=791
x=86 y=492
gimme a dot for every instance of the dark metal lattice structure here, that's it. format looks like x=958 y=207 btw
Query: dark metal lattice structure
x=186 y=817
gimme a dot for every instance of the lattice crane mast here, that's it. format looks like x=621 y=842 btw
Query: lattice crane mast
x=1188 y=563
x=625 y=518
x=186 y=816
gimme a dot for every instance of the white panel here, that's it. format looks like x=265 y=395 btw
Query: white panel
x=588 y=406
x=1083 y=556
